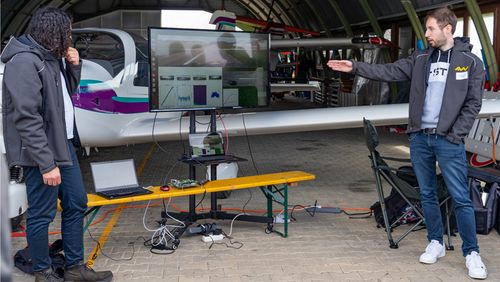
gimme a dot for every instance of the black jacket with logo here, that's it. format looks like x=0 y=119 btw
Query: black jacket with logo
x=463 y=92
x=34 y=126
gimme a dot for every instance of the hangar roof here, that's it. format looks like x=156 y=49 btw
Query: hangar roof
x=317 y=15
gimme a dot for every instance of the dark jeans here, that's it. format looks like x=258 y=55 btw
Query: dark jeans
x=42 y=207
x=425 y=150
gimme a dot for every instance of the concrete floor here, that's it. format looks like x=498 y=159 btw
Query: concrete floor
x=326 y=247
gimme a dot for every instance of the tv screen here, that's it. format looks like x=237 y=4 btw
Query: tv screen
x=207 y=69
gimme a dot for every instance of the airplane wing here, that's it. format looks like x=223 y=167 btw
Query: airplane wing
x=138 y=128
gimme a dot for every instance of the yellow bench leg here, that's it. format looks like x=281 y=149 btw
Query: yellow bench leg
x=104 y=236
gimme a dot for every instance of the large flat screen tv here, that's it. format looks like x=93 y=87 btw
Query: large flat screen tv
x=207 y=69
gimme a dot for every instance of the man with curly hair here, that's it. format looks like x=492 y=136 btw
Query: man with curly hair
x=41 y=73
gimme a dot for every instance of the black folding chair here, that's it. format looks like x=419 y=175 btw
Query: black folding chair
x=408 y=192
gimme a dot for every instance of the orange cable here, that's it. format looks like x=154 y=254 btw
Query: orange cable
x=105 y=214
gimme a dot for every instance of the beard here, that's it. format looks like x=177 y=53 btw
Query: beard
x=436 y=43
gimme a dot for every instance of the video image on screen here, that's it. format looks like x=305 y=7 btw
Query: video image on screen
x=207 y=69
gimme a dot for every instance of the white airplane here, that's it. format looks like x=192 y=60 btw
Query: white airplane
x=111 y=105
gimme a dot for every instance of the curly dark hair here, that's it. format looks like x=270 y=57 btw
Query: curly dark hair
x=51 y=28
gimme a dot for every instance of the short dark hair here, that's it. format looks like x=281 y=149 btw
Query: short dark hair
x=51 y=28
x=443 y=16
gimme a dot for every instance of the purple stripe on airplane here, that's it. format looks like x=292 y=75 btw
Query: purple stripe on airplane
x=102 y=101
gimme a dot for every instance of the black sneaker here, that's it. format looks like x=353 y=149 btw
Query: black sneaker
x=81 y=272
x=47 y=275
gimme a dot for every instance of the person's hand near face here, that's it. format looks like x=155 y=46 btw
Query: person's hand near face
x=72 y=56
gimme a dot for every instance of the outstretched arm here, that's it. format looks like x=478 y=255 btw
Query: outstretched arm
x=340 y=65
x=398 y=71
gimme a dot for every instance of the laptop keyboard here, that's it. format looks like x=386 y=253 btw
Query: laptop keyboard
x=122 y=192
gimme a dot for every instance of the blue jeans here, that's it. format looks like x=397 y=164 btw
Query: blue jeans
x=42 y=207
x=425 y=150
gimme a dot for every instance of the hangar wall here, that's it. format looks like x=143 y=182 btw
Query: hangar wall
x=131 y=21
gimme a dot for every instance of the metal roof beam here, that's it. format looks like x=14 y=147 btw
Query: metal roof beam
x=484 y=38
x=415 y=22
x=342 y=17
x=21 y=19
x=299 y=16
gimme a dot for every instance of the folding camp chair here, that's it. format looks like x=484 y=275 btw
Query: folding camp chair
x=407 y=191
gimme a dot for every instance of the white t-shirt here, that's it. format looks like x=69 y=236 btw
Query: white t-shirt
x=68 y=109
x=435 y=91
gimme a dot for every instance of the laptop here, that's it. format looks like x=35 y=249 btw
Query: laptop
x=115 y=179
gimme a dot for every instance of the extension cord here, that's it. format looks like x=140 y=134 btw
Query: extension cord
x=319 y=209
x=212 y=238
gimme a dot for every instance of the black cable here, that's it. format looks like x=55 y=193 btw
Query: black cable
x=99 y=247
x=201 y=165
x=164 y=206
x=180 y=136
x=154 y=242
x=357 y=215
x=202 y=198
x=149 y=243
x=226 y=133
x=298 y=206
x=248 y=143
x=202 y=123
x=223 y=243
x=248 y=201
x=153 y=135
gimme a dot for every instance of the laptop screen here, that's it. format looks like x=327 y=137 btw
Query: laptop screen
x=114 y=174
x=206 y=144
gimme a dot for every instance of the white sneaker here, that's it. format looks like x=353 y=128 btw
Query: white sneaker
x=477 y=269
x=433 y=251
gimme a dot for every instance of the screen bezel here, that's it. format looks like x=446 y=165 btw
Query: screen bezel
x=200 y=108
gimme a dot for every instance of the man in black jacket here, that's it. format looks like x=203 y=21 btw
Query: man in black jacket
x=41 y=73
x=445 y=98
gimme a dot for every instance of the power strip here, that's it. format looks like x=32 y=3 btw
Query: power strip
x=212 y=238
x=319 y=209
x=280 y=218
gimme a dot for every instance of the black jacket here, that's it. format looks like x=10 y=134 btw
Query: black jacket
x=34 y=127
x=462 y=96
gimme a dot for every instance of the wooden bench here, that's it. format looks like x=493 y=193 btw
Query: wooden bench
x=273 y=185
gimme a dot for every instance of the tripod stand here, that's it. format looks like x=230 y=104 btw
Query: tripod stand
x=215 y=211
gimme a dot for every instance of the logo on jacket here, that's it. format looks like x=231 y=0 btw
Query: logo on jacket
x=461 y=72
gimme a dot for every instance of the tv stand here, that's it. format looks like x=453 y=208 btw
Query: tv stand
x=215 y=210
